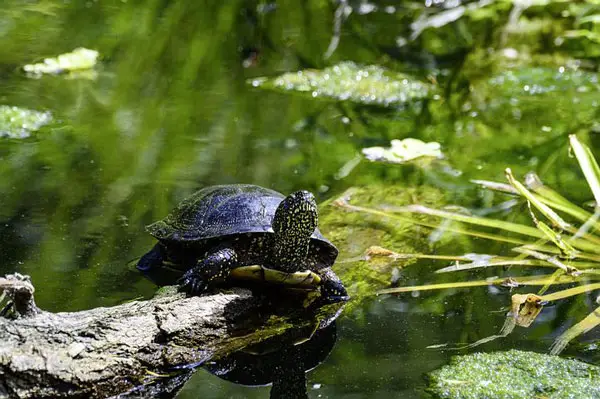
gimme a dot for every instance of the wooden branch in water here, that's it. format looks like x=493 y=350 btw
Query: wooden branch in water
x=106 y=351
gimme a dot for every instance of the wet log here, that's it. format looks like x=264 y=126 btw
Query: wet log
x=106 y=351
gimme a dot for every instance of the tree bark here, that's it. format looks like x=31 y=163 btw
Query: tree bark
x=106 y=351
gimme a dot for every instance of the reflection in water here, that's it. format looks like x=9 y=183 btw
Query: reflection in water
x=282 y=362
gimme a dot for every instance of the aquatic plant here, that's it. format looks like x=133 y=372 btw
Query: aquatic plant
x=370 y=85
x=568 y=245
x=514 y=374
x=18 y=123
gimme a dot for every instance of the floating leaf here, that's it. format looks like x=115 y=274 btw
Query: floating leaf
x=77 y=60
x=402 y=151
x=347 y=81
x=494 y=261
x=525 y=308
x=18 y=123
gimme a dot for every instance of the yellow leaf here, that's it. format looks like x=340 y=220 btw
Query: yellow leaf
x=525 y=308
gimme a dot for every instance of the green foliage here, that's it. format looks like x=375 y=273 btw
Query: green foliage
x=515 y=375
x=573 y=251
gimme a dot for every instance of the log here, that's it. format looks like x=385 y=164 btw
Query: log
x=107 y=351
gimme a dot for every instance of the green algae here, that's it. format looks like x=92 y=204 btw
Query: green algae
x=347 y=81
x=544 y=80
x=515 y=375
x=354 y=233
x=19 y=123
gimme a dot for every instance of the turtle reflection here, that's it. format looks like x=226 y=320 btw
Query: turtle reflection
x=282 y=361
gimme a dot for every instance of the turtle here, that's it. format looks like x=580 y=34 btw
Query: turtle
x=228 y=231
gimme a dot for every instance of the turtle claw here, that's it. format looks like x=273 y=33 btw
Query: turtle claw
x=192 y=282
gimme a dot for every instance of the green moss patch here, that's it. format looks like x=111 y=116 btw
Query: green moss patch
x=371 y=85
x=515 y=375
x=18 y=123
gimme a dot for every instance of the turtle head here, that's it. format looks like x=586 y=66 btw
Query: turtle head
x=294 y=223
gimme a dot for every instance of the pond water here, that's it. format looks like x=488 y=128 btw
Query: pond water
x=170 y=112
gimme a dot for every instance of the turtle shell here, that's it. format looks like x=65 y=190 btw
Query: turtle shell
x=226 y=210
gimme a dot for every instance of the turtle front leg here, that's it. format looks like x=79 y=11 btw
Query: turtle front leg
x=215 y=267
x=332 y=289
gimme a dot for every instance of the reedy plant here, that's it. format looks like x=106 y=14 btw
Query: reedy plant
x=570 y=250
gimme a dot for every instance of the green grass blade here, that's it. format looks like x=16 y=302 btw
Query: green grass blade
x=507 y=226
x=554 y=250
x=539 y=205
x=476 y=220
x=547 y=196
x=588 y=165
x=550 y=259
x=495 y=263
x=580 y=244
x=567 y=250
x=489 y=236
x=571 y=292
x=554 y=200
x=527 y=280
x=592 y=320
x=496 y=186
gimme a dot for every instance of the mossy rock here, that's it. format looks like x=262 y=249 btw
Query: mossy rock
x=515 y=375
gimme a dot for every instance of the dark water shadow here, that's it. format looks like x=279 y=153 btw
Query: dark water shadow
x=280 y=362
